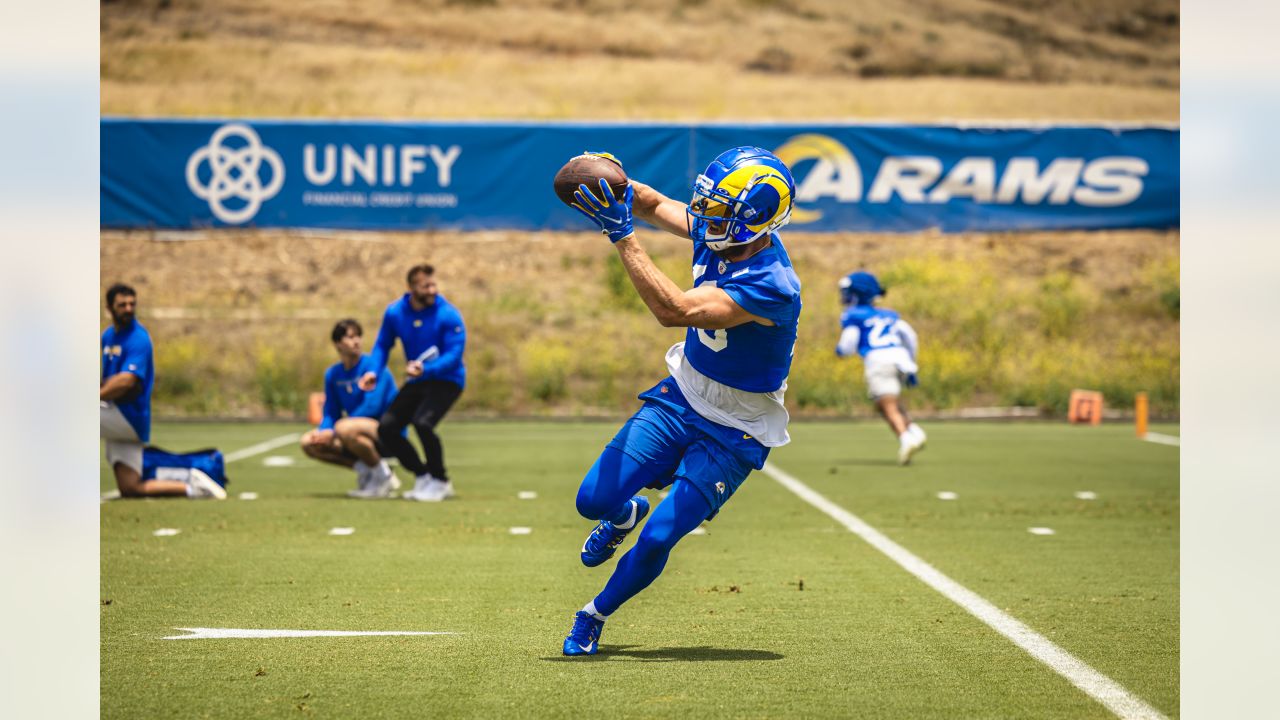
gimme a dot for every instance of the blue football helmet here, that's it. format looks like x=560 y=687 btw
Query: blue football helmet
x=860 y=287
x=745 y=193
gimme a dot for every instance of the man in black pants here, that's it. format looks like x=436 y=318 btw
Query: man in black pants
x=431 y=331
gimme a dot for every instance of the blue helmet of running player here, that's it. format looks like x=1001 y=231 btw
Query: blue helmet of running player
x=744 y=194
x=860 y=287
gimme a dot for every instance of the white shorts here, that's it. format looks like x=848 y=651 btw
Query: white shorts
x=883 y=378
x=123 y=445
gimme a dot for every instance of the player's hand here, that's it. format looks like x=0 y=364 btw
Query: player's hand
x=611 y=215
x=367 y=381
x=318 y=437
x=413 y=368
x=912 y=380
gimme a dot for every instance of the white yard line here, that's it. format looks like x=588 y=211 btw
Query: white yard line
x=261 y=447
x=1163 y=439
x=221 y=633
x=1096 y=685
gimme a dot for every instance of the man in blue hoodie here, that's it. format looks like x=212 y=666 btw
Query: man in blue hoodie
x=431 y=332
x=352 y=441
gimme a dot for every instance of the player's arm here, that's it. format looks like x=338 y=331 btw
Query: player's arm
x=332 y=406
x=453 y=340
x=848 y=343
x=659 y=210
x=909 y=339
x=118 y=386
x=706 y=307
x=380 y=352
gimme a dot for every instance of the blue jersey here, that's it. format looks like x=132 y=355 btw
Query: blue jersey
x=751 y=356
x=436 y=326
x=343 y=395
x=876 y=326
x=129 y=350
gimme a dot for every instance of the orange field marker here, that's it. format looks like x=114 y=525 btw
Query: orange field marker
x=1085 y=406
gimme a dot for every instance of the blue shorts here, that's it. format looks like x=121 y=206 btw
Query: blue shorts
x=670 y=437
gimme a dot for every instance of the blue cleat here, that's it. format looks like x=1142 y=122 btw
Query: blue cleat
x=604 y=540
x=584 y=638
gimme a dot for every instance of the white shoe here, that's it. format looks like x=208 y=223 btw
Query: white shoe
x=435 y=491
x=420 y=483
x=202 y=486
x=919 y=434
x=379 y=485
x=395 y=481
x=363 y=473
x=911 y=445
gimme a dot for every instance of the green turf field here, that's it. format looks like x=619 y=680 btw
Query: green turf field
x=777 y=611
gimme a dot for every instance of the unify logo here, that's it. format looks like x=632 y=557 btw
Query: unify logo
x=836 y=174
x=235 y=173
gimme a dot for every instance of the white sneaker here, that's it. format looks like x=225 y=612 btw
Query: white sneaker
x=419 y=486
x=201 y=485
x=395 y=481
x=911 y=444
x=435 y=491
x=379 y=485
x=919 y=433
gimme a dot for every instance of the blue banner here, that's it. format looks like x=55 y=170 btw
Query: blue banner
x=410 y=175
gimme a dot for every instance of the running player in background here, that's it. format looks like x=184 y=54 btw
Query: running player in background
x=703 y=429
x=433 y=336
x=888 y=347
x=352 y=441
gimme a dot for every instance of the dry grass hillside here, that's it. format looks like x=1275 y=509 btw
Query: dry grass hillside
x=241 y=319
x=664 y=59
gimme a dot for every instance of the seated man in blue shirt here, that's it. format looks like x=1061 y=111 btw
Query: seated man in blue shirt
x=352 y=441
x=430 y=329
x=124 y=397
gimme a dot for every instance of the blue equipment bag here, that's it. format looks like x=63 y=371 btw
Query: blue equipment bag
x=209 y=461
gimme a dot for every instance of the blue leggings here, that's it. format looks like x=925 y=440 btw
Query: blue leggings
x=611 y=482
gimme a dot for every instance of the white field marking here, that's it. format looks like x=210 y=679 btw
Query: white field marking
x=166 y=532
x=248 y=496
x=220 y=633
x=947 y=495
x=521 y=530
x=261 y=447
x=277 y=461
x=527 y=495
x=698 y=531
x=1087 y=495
x=341 y=531
x=1163 y=439
x=1040 y=531
x=1094 y=684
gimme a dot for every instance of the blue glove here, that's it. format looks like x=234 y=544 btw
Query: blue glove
x=612 y=216
x=912 y=381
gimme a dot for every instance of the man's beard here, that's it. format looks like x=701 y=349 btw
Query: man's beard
x=122 y=318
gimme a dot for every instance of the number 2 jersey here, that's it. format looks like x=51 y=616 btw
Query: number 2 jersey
x=879 y=335
x=737 y=376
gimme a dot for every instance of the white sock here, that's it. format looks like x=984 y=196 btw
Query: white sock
x=590 y=609
x=906 y=437
x=191 y=491
x=635 y=510
x=383 y=468
x=361 y=467
x=916 y=430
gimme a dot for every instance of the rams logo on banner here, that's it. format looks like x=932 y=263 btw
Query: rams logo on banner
x=835 y=173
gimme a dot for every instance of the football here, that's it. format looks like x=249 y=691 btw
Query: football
x=587 y=170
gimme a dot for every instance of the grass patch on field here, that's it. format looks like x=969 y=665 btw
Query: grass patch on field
x=776 y=611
